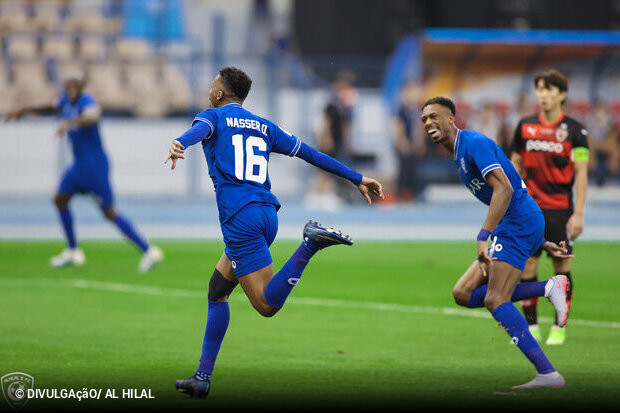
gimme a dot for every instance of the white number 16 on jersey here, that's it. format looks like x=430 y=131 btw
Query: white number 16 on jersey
x=251 y=159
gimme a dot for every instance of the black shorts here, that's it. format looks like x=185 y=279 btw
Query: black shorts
x=555 y=227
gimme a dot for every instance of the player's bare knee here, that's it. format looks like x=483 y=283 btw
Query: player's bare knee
x=263 y=307
x=461 y=296
x=266 y=310
x=60 y=201
x=109 y=214
x=493 y=300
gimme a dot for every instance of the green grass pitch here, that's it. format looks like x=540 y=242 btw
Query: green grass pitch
x=373 y=325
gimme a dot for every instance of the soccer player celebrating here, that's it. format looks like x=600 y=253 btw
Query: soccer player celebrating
x=89 y=172
x=515 y=224
x=237 y=145
x=550 y=150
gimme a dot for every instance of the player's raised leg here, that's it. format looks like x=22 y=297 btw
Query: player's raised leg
x=471 y=289
x=222 y=283
x=268 y=292
x=151 y=255
x=71 y=254
x=503 y=278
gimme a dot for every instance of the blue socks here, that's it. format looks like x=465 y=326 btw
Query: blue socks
x=67 y=225
x=66 y=219
x=521 y=292
x=515 y=325
x=276 y=293
x=217 y=323
x=127 y=228
x=282 y=283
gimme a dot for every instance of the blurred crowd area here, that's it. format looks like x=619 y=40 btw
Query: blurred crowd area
x=156 y=58
x=420 y=161
x=43 y=41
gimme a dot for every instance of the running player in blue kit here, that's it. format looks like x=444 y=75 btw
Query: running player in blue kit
x=516 y=226
x=89 y=172
x=237 y=145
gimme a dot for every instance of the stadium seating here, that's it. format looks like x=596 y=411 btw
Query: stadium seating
x=59 y=47
x=14 y=16
x=92 y=48
x=6 y=97
x=47 y=39
x=22 y=47
x=105 y=82
x=31 y=82
x=46 y=14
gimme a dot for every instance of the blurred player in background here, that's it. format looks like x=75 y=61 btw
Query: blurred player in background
x=516 y=226
x=334 y=139
x=550 y=151
x=237 y=145
x=89 y=172
x=605 y=150
x=410 y=144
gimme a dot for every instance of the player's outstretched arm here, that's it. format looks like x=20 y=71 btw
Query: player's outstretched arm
x=198 y=132
x=89 y=116
x=16 y=114
x=370 y=186
x=557 y=251
x=317 y=158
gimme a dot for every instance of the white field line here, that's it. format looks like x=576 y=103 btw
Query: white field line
x=309 y=301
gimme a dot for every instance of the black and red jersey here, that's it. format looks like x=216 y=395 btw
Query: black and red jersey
x=546 y=150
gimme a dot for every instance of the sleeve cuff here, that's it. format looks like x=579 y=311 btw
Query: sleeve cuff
x=490 y=168
x=208 y=122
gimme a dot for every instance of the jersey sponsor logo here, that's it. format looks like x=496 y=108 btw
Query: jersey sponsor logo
x=533 y=145
x=475 y=185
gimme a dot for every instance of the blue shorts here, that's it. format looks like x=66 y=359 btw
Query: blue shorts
x=248 y=235
x=88 y=181
x=517 y=238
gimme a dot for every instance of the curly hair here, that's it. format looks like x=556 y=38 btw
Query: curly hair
x=443 y=101
x=237 y=81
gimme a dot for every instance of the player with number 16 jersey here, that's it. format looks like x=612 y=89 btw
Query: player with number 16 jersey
x=237 y=145
x=238 y=157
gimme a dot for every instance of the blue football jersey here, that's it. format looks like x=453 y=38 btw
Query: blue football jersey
x=475 y=156
x=237 y=151
x=85 y=140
